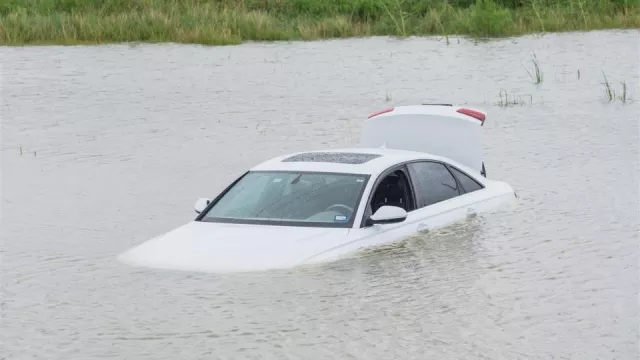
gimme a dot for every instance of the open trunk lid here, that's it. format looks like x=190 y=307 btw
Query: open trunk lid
x=439 y=129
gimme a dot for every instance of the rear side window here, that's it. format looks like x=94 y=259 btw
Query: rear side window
x=433 y=183
x=466 y=181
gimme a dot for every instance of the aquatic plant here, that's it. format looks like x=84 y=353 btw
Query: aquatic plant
x=623 y=97
x=506 y=99
x=536 y=75
x=610 y=93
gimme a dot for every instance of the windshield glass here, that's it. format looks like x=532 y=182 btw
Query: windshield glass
x=291 y=198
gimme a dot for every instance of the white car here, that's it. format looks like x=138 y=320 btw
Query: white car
x=417 y=168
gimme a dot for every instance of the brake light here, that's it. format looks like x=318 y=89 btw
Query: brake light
x=380 y=112
x=474 y=114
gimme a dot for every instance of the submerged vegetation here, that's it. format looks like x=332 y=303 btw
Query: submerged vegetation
x=506 y=99
x=234 y=21
x=610 y=92
x=536 y=75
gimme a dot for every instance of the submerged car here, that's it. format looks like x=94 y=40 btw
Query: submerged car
x=417 y=168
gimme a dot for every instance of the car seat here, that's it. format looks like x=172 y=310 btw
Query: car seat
x=395 y=193
x=389 y=192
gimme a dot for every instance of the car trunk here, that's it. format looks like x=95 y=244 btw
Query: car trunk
x=441 y=130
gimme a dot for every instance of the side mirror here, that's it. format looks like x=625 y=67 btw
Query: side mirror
x=201 y=204
x=388 y=215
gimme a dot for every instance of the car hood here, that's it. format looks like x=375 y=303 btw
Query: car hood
x=218 y=247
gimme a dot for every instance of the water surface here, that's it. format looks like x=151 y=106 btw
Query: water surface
x=104 y=147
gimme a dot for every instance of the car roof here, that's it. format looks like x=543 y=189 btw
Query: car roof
x=369 y=161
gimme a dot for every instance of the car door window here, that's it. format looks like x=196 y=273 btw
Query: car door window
x=466 y=181
x=393 y=189
x=433 y=182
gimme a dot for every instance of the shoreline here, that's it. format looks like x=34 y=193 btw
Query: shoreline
x=453 y=39
x=219 y=23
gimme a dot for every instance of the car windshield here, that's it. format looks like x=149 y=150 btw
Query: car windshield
x=290 y=198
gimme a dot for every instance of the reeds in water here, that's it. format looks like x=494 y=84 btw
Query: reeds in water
x=610 y=92
x=536 y=74
x=506 y=99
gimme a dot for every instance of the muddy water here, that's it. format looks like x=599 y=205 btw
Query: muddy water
x=104 y=147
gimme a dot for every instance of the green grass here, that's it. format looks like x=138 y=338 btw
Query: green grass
x=219 y=22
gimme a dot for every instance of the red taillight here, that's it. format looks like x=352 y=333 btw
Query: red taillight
x=474 y=114
x=380 y=112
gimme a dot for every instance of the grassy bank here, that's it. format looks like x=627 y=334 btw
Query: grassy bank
x=234 y=21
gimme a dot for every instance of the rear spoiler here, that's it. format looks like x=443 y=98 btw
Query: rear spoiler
x=476 y=114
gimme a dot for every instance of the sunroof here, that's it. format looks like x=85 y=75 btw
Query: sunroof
x=332 y=157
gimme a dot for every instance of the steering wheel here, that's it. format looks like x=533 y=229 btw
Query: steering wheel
x=339 y=206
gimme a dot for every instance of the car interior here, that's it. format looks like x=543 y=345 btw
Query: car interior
x=393 y=190
x=315 y=198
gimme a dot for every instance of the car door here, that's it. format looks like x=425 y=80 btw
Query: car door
x=371 y=235
x=438 y=199
x=441 y=197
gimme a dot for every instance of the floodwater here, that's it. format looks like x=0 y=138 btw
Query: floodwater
x=105 y=147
